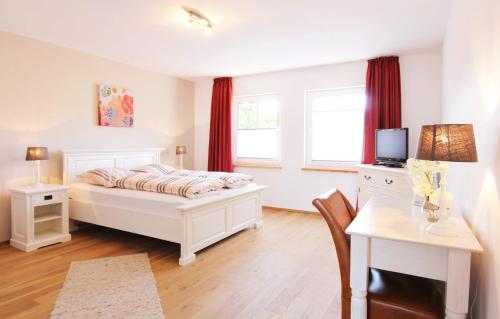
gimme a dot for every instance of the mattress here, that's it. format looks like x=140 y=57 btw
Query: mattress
x=83 y=192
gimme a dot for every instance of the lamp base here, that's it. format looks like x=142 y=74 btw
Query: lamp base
x=441 y=228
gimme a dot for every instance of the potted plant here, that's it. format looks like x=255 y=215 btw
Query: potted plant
x=425 y=178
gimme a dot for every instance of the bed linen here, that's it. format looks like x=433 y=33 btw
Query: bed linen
x=157 y=169
x=106 y=176
x=99 y=194
x=187 y=186
x=230 y=180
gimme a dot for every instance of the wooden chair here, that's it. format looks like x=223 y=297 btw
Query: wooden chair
x=390 y=295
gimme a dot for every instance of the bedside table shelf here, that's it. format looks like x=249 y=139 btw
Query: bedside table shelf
x=39 y=216
x=47 y=217
x=46 y=235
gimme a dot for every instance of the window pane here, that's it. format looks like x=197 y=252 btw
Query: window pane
x=337 y=136
x=338 y=102
x=247 y=115
x=352 y=101
x=325 y=103
x=337 y=120
x=257 y=144
x=268 y=113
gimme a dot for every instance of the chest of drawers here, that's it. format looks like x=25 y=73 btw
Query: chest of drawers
x=382 y=181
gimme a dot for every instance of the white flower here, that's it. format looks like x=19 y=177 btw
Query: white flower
x=423 y=189
x=421 y=173
x=434 y=197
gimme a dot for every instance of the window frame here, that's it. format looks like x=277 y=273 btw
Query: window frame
x=253 y=161
x=322 y=164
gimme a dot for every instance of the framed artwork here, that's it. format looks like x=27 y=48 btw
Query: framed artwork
x=116 y=106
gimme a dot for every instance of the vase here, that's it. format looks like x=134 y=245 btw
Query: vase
x=430 y=211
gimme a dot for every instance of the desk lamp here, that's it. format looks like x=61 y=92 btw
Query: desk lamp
x=446 y=143
x=37 y=153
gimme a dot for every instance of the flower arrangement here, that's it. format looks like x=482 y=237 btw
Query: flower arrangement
x=424 y=177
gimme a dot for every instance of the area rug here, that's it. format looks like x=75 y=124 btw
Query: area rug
x=115 y=287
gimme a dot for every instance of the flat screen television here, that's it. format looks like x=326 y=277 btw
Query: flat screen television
x=391 y=146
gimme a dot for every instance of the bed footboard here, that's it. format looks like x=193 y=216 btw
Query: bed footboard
x=203 y=226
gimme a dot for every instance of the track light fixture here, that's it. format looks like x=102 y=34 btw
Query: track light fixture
x=196 y=18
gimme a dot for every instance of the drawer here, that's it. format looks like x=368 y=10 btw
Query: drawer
x=383 y=180
x=390 y=181
x=47 y=198
x=368 y=178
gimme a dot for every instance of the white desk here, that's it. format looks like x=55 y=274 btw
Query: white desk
x=389 y=234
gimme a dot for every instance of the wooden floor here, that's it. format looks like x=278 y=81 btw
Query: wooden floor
x=286 y=269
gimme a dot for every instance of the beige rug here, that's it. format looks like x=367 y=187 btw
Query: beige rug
x=115 y=287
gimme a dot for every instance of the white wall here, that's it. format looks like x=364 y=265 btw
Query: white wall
x=471 y=94
x=420 y=92
x=49 y=98
x=202 y=102
x=290 y=187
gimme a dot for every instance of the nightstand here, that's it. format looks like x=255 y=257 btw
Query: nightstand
x=39 y=216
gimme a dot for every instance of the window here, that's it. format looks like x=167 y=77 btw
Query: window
x=334 y=126
x=256 y=123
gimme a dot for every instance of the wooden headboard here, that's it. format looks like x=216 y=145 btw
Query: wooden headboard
x=78 y=161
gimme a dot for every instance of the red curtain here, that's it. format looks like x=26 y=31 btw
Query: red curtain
x=219 y=149
x=383 y=101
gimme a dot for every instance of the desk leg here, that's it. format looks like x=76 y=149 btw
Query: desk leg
x=457 y=284
x=359 y=276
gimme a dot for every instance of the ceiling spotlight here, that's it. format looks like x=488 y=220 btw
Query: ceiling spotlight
x=196 y=18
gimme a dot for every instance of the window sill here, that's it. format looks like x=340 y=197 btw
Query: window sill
x=331 y=169
x=258 y=165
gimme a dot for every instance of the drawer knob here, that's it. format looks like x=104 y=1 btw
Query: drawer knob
x=389 y=181
x=368 y=177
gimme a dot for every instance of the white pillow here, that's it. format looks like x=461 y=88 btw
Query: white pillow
x=106 y=177
x=155 y=169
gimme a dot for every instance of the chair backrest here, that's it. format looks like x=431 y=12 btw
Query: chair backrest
x=338 y=214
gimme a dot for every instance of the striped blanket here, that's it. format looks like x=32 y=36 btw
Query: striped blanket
x=230 y=180
x=190 y=187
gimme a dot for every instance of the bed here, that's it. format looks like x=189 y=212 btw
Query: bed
x=193 y=223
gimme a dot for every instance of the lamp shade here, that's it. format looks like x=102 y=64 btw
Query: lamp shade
x=180 y=150
x=37 y=153
x=447 y=142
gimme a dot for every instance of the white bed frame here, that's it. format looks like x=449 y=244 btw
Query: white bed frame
x=193 y=223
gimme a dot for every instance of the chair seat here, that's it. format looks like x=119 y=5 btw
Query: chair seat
x=395 y=295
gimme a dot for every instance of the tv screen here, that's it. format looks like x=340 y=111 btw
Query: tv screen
x=392 y=145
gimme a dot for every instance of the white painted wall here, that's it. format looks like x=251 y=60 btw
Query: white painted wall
x=49 y=98
x=420 y=92
x=471 y=94
x=290 y=187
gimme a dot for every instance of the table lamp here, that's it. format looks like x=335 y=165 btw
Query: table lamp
x=36 y=153
x=446 y=143
x=180 y=150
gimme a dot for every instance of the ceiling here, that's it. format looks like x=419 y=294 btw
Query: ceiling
x=250 y=36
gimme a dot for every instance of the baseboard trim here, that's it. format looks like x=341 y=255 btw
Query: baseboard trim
x=289 y=209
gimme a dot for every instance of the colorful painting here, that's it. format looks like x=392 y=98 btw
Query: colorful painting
x=116 y=106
